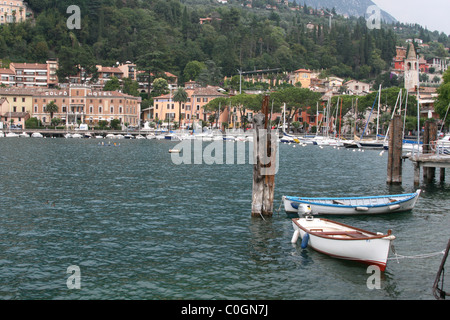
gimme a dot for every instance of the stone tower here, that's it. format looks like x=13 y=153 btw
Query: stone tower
x=411 y=69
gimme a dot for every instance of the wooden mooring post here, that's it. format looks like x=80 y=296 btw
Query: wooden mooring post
x=429 y=159
x=394 y=168
x=264 y=165
x=429 y=136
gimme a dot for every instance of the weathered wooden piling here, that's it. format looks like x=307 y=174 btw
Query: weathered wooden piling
x=264 y=153
x=394 y=168
x=429 y=137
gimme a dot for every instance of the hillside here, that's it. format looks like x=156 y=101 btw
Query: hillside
x=355 y=8
x=167 y=35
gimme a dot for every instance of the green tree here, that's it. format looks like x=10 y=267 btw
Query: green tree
x=180 y=96
x=154 y=64
x=51 y=108
x=443 y=101
x=130 y=87
x=112 y=84
x=192 y=70
x=211 y=75
x=217 y=105
x=295 y=99
x=115 y=124
x=160 y=87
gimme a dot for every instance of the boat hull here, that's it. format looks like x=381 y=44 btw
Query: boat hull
x=352 y=205
x=359 y=245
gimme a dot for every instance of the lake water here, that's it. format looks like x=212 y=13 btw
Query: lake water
x=140 y=227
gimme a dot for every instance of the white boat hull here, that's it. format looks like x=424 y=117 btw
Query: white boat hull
x=344 y=242
x=352 y=205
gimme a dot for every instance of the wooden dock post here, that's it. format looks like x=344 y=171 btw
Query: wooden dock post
x=394 y=170
x=264 y=149
x=429 y=136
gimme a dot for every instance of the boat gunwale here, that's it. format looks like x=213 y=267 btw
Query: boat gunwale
x=329 y=237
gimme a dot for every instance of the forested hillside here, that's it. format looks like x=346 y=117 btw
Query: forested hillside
x=165 y=35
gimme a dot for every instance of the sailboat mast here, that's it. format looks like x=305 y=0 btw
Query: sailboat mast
x=378 y=113
x=418 y=107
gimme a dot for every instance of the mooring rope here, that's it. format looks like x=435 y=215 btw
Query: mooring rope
x=418 y=256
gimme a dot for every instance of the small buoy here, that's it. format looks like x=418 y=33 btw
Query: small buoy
x=295 y=236
x=362 y=209
x=305 y=240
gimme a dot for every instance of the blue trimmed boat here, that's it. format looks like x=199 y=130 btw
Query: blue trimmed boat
x=351 y=205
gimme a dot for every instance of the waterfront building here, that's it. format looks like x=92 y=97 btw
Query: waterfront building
x=20 y=99
x=84 y=104
x=8 y=117
x=166 y=109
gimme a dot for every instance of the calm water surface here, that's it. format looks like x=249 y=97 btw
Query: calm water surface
x=140 y=227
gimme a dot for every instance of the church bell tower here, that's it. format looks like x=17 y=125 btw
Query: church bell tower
x=411 y=69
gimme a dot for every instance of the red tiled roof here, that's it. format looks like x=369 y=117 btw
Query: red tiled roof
x=29 y=65
x=6 y=71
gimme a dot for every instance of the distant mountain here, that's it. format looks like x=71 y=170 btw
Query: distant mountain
x=356 y=8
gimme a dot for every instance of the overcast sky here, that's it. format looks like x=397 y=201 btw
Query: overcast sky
x=433 y=14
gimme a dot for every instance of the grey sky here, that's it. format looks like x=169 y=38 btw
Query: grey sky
x=433 y=14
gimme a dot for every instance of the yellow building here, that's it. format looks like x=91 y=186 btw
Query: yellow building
x=166 y=109
x=20 y=99
x=303 y=76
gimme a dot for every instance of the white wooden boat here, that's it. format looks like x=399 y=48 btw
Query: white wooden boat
x=342 y=241
x=351 y=205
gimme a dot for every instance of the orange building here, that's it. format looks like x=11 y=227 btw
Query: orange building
x=301 y=75
x=82 y=104
x=166 y=109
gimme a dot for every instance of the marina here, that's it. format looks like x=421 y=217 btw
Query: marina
x=141 y=227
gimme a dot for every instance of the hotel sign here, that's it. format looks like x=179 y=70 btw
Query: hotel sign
x=65 y=93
